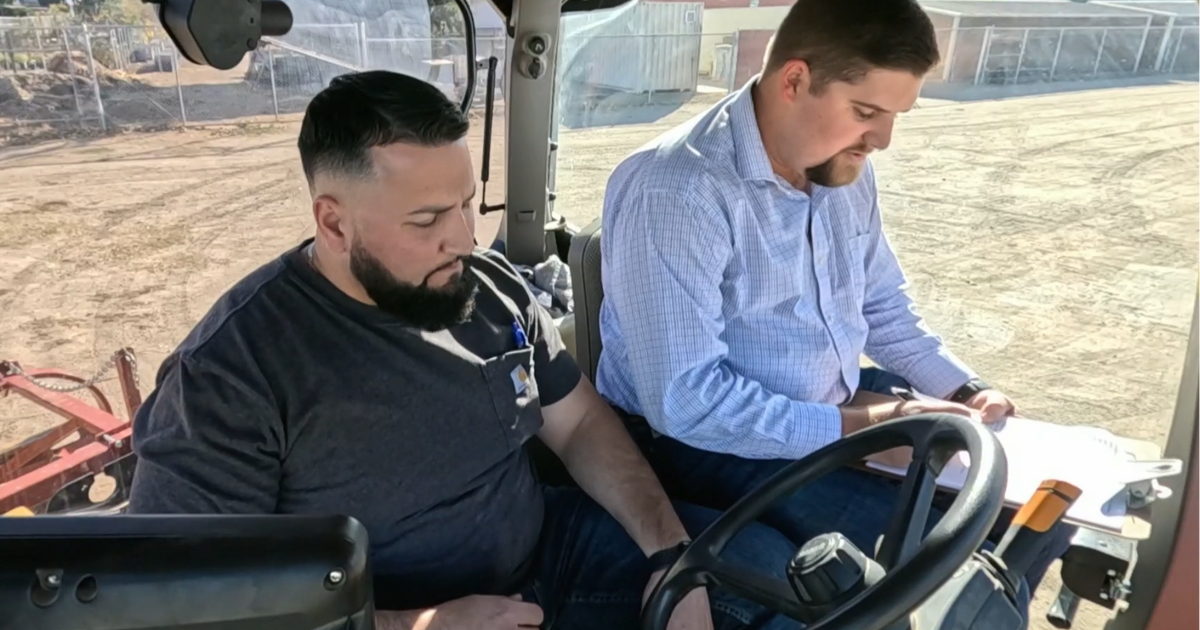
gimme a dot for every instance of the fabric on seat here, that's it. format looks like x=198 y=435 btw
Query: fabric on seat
x=584 y=260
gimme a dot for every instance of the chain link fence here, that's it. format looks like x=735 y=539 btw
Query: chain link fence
x=109 y=78
x=1007 y=56
x=121 y=77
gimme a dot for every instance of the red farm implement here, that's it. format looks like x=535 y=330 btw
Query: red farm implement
x=56 y=471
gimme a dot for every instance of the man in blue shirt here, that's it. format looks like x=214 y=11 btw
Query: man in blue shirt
x=746 y=271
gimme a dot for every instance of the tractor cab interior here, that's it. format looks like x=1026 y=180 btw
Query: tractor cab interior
x=79 y=564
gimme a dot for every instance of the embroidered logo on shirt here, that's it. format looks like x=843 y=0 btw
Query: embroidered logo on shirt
x=520 y=379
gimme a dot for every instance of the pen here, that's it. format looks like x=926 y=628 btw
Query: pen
x=519 y=334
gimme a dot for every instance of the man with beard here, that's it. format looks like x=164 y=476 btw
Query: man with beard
x=745 y=272
x=391 y=371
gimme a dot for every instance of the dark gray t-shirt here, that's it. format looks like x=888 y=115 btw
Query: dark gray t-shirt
x=291 y=397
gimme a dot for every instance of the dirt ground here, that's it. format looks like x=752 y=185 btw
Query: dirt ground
x=1051 y=239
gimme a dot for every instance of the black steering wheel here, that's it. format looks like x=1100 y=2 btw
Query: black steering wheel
x=914 y=567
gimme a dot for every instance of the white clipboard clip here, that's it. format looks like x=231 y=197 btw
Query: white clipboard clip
x=1141 y=481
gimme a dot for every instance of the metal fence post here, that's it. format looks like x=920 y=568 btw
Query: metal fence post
x=948 y=64
x=8 y=46
x=271 y=69
x=1062 y=32
x=362 y=45
x=1162 y=46
x=1100 y=52
x=1175 y=55
x=178 y=83
x=87 y=42
x=733 y=61
x=984 y=53
x=71 y=69
x=1137 y=62
x=1021 y=57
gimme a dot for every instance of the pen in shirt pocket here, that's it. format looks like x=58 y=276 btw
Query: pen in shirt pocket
x=519 y=334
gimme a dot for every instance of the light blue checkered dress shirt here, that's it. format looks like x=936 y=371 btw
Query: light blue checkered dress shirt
x=736 y=307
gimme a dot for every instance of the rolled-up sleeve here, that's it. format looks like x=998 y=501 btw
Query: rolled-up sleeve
x=667 y=256
x=899 y=340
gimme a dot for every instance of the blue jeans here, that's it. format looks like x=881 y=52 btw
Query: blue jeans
x=854 y=502
x=591 y=575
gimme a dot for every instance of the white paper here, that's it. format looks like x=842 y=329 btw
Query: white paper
x=1086 y=457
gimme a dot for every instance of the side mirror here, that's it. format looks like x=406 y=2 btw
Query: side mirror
x=218 y=33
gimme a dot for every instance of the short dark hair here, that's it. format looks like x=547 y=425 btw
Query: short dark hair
x=843 y=40
x=373 y=108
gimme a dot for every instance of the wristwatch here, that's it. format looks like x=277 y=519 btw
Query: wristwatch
x=663 y=559
x=968 y=391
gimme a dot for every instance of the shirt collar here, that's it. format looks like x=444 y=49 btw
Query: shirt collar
x=752 y=162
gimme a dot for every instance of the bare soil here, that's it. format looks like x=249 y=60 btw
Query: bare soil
x=1051 y=239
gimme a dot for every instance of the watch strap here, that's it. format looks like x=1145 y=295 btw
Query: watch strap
x=968 y=391
x=664 y=558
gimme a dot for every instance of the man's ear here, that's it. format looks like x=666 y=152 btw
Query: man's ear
x=797 y=77
x=330 y=217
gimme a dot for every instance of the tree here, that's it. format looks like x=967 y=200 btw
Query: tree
x=446 y=19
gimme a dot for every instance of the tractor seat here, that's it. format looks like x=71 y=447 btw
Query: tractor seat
x=583 y=258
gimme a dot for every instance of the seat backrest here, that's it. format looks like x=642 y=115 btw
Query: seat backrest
x=584 y=260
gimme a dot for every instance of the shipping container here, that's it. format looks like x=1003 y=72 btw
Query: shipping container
x=640 y=48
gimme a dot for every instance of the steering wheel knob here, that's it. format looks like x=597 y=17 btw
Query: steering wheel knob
x=829 y=569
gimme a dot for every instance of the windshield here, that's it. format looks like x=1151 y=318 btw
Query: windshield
x=1041 y=197
x=137 y=187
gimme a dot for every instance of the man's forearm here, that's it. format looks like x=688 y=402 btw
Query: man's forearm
x=606 y=463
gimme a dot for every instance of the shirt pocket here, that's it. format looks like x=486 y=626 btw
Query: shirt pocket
x=515 y=395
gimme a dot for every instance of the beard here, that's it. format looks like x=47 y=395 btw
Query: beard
x=418 y=305
x=834 y=172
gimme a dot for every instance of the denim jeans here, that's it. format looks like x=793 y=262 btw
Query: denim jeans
x=854 y=502
x=591 y=575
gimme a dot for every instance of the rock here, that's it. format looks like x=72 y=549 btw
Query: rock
x=11 y=91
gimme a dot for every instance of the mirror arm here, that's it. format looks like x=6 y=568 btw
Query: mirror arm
x=469 y=26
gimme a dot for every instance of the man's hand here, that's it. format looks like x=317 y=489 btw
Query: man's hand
x=992 y=405
x=868 y=409
x=476 y=612
x=692 y=613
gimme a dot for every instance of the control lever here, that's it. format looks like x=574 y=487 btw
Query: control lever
x=983 y=594
x=1021 y=544
x=489 y=108
x=1062 y=611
